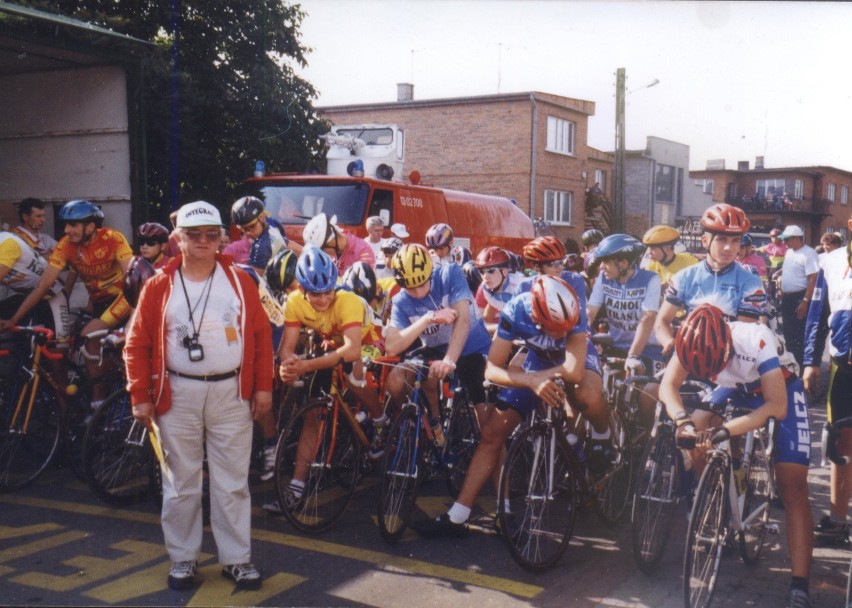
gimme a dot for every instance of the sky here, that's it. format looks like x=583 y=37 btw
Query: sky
x=736 y=79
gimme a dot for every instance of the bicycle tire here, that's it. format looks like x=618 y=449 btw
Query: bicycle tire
x=24 y=456
x=759 y=490
x=462 y=437
x=655 y=500
x=849 y=586
x=332 y=459
x=118 y=460
x=400 y=473
x=612 y=497
x=539 y=523
x=705 y=535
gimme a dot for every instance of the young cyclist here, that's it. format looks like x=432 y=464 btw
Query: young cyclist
x=439 y=240
x=266 y=241
x=742 y=360
x=748 y=256
x=152 y=238
x=322 y=231
x=661 y=241
x=498 y=283
x=548 y=321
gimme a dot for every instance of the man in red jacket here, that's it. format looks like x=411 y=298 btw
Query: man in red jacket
x=199 y=359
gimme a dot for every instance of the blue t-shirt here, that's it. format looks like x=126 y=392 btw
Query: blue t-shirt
x=448 y=286
x=734 y=290
x=577 y=284
x=626 y=304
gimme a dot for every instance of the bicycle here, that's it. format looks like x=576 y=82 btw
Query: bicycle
x=730 y=501
x=830 y=435
x=544 y=481
x=413 y=453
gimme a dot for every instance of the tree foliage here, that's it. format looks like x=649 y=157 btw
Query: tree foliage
x=220 y=90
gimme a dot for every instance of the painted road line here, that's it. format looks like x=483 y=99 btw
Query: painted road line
x=218 y=590
x=7 y=532
x=37 y=546
x=306 y=544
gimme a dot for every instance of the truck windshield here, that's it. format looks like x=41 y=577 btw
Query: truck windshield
x=297 y=203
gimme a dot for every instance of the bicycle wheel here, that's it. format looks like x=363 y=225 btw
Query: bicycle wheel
x=118 y=461
x=705 y=536
x=462 y=438
x=319 y=445
x=849 y=586
x=760 y=480
x=655 y=500
x=613 y=492
x=27 y=447
x=399 y=474
x=540 y=486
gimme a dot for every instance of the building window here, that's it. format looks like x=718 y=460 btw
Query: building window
x=798 y=189
x=664 y=182
x=600 y=180
x=557 y=206
x=844 y=195
x=767 y=188
x=560 y=135
x=831 y=192
x=707 y=186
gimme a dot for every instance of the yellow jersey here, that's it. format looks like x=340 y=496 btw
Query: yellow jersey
x=667 y=271
x=347 y=310
x=96 y=262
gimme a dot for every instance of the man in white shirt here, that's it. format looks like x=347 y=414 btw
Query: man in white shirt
x=375 y=228
x=798 y=279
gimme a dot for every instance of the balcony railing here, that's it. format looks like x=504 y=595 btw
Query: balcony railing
x=768 y=205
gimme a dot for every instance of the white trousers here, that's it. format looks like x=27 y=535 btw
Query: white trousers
x=212 y=411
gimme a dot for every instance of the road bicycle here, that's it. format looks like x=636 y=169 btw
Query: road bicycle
x=414 y=454
x=544 y=481
x=733 y=501
x=830 y=435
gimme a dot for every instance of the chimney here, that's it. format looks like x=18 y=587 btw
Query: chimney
x=758 y=162
x=742 y=165
x=404 y=91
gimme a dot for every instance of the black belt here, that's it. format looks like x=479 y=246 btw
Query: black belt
x=208 y=378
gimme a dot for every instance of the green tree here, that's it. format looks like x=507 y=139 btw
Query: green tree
x=220 y=91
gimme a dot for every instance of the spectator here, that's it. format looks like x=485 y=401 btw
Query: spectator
x=798 y=279
x=32 y=217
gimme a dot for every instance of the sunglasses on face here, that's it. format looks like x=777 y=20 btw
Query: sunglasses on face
x=149 y=242
x=197 y=235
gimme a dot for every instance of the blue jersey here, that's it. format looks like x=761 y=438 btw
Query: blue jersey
x=734 y=290
x=448 y=286
x=626 y=303
x=833 y=289
x=577 y=284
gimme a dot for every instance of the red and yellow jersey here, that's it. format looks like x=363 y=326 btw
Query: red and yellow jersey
x=347 y=310
x=97 y=262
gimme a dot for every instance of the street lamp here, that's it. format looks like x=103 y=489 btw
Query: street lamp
x=620 y=95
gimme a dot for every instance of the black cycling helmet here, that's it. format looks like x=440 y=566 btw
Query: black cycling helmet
x=592 y=236
x=281 y=271
x=81 y=211
x=138 y=271
x=473 y=276
x=246 y=210
x=360 y=278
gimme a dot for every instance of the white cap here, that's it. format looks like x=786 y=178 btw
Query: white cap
x=399 y=231
x=199 y=213
x=791 y=231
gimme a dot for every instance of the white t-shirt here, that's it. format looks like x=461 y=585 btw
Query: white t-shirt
x=798 y=265
x=218 y=325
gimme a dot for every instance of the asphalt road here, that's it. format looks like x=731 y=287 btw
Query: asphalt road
x=60 y=546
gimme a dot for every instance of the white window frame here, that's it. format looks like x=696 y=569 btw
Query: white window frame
x=832 y=191
x=798 y=189
x=844 y=195
x=560 y=136
x=600 y=179
x=554 y=199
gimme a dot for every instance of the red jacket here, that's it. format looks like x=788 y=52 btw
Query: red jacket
x=144 y=350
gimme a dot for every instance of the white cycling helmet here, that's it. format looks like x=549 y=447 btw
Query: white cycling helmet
x=320 y=230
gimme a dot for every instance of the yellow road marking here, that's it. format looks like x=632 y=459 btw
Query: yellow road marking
x=37 y=546
x=7 y=533
x=218 y=590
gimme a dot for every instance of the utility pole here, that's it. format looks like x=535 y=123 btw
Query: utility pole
x=618 y=202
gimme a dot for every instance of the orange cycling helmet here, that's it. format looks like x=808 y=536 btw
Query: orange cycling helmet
x=554 y=304
x=660 y=235
x=544 y=249
x=703 y=343
x=725 y=219
x=492 y=256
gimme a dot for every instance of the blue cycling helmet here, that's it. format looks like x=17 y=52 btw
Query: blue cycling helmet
x=316 y=272
x=81 y=211
x=620 y=246
x=746 y=240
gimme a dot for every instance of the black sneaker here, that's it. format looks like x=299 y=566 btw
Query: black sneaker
x=831 y=534
x=798 y=599
x=245 y=575
x=441 y=526
x=601 y=456
x=183 y=575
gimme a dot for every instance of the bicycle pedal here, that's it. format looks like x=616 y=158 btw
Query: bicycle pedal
x=773 y=529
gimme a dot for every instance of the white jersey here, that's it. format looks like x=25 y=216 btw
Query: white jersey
x=25 y=264
x=755 y=352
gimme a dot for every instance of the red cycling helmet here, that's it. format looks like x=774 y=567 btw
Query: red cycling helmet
x=154 y=231
x=138 y=271
x=554 y=304
x=723 y=218
x=492 y=256
x=703 y=343
x=544 y=249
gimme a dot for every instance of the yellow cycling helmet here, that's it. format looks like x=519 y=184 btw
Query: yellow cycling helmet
x=412 y=265
x=661 y=235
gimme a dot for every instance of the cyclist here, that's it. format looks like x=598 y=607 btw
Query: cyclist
x=152 y=238
x=342 y=320
x=590 y=239
x=717 y=280
x=498 y=283
x=434 y=307
x=32 y=217
x=322 y=231
x=266 y=241
x=836 y=270
x=548 y=320
x=748 y=256
x=742 y=360
x=100 y=257
x=439 y=241
x=361 y=280
x=661 y=241
x=775 y=251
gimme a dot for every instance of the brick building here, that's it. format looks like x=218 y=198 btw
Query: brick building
x=815 y=198
x=531 y=147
